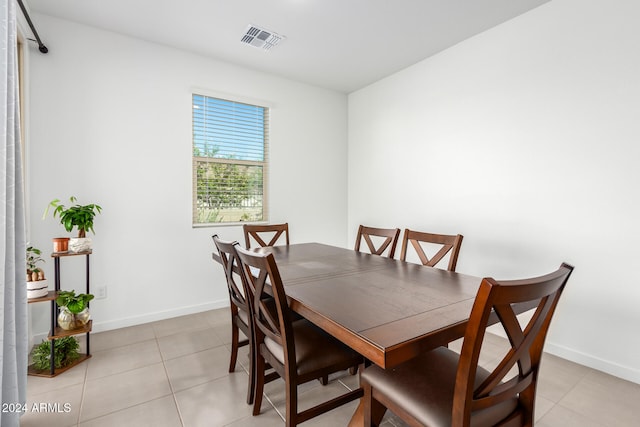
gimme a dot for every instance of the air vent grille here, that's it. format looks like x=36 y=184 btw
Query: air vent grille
x=261 y=38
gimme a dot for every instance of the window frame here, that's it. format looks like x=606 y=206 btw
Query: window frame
x=265 y=163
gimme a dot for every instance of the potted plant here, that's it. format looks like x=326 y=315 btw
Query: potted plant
x=65 y=352
x=76 y=216
x=36 y=282
x=74 y=310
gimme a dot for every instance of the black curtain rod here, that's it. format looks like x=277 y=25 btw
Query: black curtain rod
x=41 y=47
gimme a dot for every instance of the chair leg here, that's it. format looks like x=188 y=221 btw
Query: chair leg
x=373 y=410
x=259 y=379
x=324 y=380
x=251 y=390
x=234 y=346
x=292 y=404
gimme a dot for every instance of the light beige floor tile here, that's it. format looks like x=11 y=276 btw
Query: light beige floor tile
x=310 y=397
x=218 y=317
x=214 y=403
x=120 y=391
x=542 y=407
x=337 y=417
x=223 y=331
x=275 y=392
x=75 y=375
x=56 y=408
x=121 y=337
x=156 y=413
x=558 y=376
x=559 y=416
x=175 y=325
x=605 y=399
x=122 y=359
x=177 y=345
x=193 y=369
x=266 y=419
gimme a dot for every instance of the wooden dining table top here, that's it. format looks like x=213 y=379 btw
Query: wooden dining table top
x=388 y=310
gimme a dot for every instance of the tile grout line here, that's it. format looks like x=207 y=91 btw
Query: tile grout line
x=173 y=393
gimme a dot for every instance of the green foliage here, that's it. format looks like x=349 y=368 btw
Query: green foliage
x=74 y=216
x=74 y=303
x=33 y=258
x=65 y=352
x=208 y=216
x=222 y=185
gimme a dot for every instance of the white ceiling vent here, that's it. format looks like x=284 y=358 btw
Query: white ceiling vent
x=261 y=38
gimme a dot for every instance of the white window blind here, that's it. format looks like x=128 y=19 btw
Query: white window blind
x=230 y=146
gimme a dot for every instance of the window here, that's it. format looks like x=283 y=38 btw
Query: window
x=230 y=141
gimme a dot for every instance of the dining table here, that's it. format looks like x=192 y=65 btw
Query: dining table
x=388 y=310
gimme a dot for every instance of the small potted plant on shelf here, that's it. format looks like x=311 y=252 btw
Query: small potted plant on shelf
x=75 y=216
x=65 y=352
x=74 y=310
x=36 y=282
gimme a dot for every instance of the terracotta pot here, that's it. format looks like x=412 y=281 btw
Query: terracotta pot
x=60 y=244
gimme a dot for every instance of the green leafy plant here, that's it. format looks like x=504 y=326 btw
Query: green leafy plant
x=33 y=258
x=65 y=352
x=74 y=216
x=74 y=303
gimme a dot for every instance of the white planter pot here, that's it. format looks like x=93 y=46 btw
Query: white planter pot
x=37 y=289
x=77 y=244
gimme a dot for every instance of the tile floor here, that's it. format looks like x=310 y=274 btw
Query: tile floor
x=174 y=373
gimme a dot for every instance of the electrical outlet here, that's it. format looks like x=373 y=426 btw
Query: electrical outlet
x=101 y=292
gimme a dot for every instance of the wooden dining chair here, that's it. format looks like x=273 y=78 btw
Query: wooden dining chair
x=390 y=236
x=444 y=388
x=298 y=350
x=239 y=307
x=258 y=234
x=446 y=244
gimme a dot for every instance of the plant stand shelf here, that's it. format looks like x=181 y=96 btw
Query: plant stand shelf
x=31 y=370
x=56 y=331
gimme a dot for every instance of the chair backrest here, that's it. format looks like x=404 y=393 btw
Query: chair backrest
x=446 y=242
x=260 y=272
x=233 y=273
x=259 y=233
x=389 y=236
x=496 y=299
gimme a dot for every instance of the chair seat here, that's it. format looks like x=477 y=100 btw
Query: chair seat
x=425 y=386
x=315 y=349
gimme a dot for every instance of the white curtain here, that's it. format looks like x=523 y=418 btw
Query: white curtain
x=13 y=293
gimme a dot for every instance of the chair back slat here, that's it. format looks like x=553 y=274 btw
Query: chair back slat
x=260 y=233
x=270 y=309
x=526 y=343
x=390 y=236
x=233 y=276
x=450 y=244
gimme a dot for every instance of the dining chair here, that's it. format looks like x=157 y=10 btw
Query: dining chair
x=297 y=350
x=258 y=234
x=444 y=388
x=390 y=236
x=446 y=244
x=239 y=307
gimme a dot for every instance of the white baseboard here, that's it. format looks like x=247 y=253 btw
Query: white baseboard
x=145 y=318
x=625 y=372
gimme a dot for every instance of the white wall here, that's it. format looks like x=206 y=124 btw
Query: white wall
x=525 y=140
x=111 y=124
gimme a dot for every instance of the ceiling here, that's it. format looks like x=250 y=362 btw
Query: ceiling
x=342 y=45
